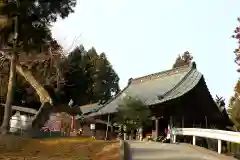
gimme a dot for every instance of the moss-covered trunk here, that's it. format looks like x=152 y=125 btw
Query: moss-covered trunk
x=41 y=91
x=8 y=107
x=46 y=108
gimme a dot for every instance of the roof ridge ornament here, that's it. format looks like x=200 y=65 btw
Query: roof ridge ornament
x=130 y=80
x=194 y=65
x=160 y=97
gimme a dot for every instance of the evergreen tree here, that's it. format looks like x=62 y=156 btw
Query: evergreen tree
x=99 y=82
x=132 y=113
x=34 y=21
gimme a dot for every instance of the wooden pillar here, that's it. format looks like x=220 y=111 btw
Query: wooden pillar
x=171 y=122
x=206 y=121
x=157 y=128
x=124 y=132
x=73 y=123
x=106 y=134
x=183 y=122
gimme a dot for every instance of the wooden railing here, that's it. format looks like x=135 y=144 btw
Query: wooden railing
x=219 y=135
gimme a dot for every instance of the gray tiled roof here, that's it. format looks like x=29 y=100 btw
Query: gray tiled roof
x=156 y=88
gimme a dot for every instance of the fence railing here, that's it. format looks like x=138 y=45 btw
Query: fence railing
x=219 y=135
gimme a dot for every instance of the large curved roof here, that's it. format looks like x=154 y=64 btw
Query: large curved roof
x=156 y=88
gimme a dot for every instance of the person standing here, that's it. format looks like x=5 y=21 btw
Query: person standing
x=168 y=132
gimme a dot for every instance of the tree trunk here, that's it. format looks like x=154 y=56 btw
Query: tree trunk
x=42 y=115
x=46 y=108
x=39 y=119
x=8 y=107
x=41 y=91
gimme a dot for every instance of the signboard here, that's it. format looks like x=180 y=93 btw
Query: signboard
x=92 y=126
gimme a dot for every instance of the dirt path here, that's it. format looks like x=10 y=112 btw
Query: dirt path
x=16 y=148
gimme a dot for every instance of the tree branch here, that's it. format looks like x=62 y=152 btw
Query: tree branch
x=22 y=109
x=41 y=91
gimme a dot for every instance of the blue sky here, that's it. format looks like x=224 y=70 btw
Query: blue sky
x=145 y=36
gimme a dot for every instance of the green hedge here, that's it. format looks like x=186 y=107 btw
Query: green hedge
x=233 y=148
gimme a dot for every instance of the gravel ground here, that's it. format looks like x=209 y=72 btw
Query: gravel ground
x=17 y=148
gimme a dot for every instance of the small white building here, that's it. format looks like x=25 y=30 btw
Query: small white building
x=18 y=122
